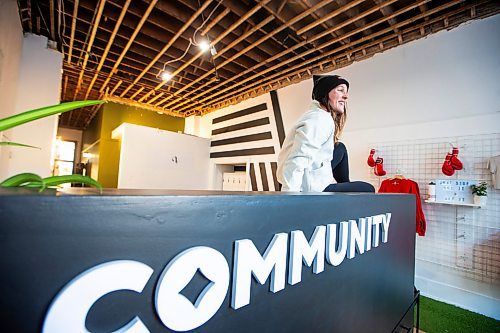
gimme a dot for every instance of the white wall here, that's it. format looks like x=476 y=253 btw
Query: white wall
x=11 y=43
x=446 y=85
x=151 y=158
x=38 y=84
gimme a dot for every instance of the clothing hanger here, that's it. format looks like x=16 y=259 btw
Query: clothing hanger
x=398 y=175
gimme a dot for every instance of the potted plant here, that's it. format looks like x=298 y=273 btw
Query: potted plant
x=32 y=180
x=480 y=192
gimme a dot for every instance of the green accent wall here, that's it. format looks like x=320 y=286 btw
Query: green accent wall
x=116 y=114
x=113 y=115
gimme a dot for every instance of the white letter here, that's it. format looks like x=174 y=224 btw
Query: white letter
x=173 y=308
x=333 y=257
x=356 y=237
x=301 y=250
x=247 y=260
x=368 y=239
x=70 y=307
x=386 y=220
x=376 y=221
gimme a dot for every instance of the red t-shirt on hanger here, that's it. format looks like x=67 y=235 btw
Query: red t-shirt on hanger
x=395 y=185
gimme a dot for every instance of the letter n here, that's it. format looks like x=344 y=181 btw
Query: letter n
x=357 y=237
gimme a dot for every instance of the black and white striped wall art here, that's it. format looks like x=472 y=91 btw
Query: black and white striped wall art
x=251 y=136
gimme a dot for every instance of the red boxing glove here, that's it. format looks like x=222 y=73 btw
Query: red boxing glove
x=447 y=168
x=371 y=161
x=379 y=167
x=455 y=162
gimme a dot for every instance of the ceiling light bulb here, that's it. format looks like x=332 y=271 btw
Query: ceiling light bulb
x=204 y=45
x=166 y=76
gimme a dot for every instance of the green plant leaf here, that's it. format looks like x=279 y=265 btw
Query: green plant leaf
x=22 y=179
x=58 y=180
x=7 y=143
x=31 y=115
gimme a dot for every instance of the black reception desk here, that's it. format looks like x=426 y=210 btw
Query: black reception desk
x=168 y=261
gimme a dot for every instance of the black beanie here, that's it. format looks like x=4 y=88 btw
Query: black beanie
x=323 y=84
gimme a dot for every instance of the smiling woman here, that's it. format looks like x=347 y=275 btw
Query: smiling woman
x=312 y=156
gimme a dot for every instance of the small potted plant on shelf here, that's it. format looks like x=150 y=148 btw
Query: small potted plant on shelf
x=480 y=192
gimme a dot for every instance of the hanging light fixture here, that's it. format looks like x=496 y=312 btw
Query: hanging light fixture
x=203 y=45
x=166 y=76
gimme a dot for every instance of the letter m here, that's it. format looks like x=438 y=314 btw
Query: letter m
x=308 y=252
x=248 y=261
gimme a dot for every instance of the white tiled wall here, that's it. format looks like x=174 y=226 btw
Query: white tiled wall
x=462 y=241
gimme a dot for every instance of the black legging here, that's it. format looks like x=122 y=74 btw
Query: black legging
x=340 y=170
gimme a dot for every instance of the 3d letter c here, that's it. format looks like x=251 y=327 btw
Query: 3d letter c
x=68 y=311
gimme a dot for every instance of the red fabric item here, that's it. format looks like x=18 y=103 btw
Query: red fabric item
x=447 y=168
x=379 y=167
x=454 y=161
x=407 y=186
x=371 y=161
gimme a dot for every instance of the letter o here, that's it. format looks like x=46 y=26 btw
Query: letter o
x=174 y=309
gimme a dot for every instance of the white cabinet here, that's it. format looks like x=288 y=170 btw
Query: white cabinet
x=151 y=158
x=234 y=181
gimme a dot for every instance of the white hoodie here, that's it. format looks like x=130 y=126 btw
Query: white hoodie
x=304 y=162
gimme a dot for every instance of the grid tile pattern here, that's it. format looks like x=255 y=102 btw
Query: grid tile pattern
x=463 y=240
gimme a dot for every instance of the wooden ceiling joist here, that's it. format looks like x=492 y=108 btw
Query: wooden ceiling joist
x=129 y=102
x=275 y=31
x=167 y=46
x=330 y=16
x=73 y=28
x=281 y=54
x=116 y=49
x=407 y=8
x=108 y=46
x=131 y=40
x=216 y=20
x=215 y=41
x=90 y=43
x=296 y=70
x=135 y=54
x=52 y=21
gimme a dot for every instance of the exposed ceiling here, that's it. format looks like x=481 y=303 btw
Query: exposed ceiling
x=118 y=49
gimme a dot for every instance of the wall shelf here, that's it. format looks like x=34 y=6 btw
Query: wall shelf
x=453 y=203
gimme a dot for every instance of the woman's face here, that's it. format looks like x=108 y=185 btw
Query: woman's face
x=338 y=98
